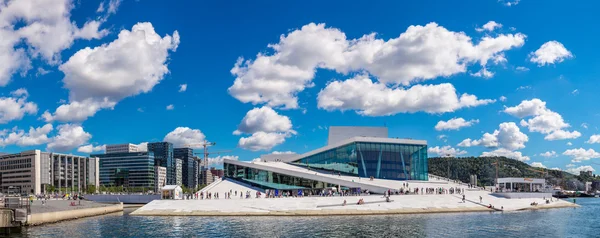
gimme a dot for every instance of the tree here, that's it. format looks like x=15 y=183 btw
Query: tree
x=91 y=189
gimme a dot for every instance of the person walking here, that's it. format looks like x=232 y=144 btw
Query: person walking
x=463 y=200
x=480 y=199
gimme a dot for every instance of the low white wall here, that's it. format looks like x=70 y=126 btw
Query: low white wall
x=50 y=217
x=523 y=195
x=126 y=199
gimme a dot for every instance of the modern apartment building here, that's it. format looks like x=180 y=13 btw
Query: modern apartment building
x=190 y=166
x=36 y=172
x=178 y=172
x=163 y=156
x=206 y=177
x=133 y=169
x=160 y=176
x=121 y=148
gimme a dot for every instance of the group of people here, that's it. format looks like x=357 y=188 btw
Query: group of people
x=215 y=195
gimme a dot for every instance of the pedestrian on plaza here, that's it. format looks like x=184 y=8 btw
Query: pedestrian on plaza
x=463 y=200
x=480 y=199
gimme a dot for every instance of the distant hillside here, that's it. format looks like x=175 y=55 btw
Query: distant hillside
x=462 y=168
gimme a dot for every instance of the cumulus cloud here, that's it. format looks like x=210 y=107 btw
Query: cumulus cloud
x=581 y=154
x=594 y=139
x=445 y=151
x=502 y=98
x=263 y=119
x=185 y=137
x=549 y=154
x=35 y=136
x=170 y=107
x=142 y=147
x=97 y=78
x=376 y=99
x=543 y=120
x=550 y=52
x=490 y=26
x=509 y=3
x=216 y=161
x=538 y=165
x=70 y=136
x=267 y=129
x=569 y=143
x=506 y=153
x=577 y=170
x=454 y=124
x=91 y=148
x=15 y=107
x=38 y=29
x=418 y=54
x=508 y=137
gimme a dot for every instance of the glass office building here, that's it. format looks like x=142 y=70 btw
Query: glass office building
x=189 y=167
x=163 y=156
x=135 y=169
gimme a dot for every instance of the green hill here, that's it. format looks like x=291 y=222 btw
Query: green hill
x=462 y=168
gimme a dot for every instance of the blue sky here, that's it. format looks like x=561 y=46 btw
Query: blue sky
x=111 y=76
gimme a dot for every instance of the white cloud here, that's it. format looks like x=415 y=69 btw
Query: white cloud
x=263 y=119
x=483 y=73
x=549 y=154
x=38 y=29
x=580 y=168
x=142 y=147
x=454 y=124
x=35 y=136
x=490 y=26
x=91 y=148
x=506 y=153
x=523 y=87
x=538 y=165
x=522 y=69
x=562 y=135
x=581 y=154
x=420 y=53
x=267 y=129
x=182 y=87
x=214 y=161
x=98 y=78
x=575 y=92
x=170 y=107
x=17 y=106
x=182 y=136
x=262 y=140
x=550 y=52
x=443 y=138
x=100 y=7
x=569 y=143
x=69 y=137
x=41 y=71
x=544 y=120
x=509 y=3
x=445 y=151
x=113 y=5
x=594 y=139
x=283 y=152
x=508 y=137
x=502 y=98
x=570 y=165
x=376 y=99
x=584 y=125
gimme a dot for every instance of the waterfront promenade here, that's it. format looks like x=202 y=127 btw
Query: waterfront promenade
x=60 y=210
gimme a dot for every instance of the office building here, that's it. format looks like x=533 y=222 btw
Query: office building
x=178 y=172
x=351 y=155
x=206 y=177
x=217 y=172
x=132 y=169
x=36 y=172
x=190 y=166
x=160 y=176
x=121 y=148
x=163 y=156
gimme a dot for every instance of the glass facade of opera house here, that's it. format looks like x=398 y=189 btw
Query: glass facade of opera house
x=361 y=159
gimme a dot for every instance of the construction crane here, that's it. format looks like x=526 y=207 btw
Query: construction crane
x=205 y=152
x=543 y=172
x=496 y=164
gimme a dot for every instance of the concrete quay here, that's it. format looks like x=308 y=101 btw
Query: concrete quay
x=61 y=210
x=320 y=206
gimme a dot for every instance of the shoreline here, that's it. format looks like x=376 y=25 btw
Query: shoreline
x=37 y=219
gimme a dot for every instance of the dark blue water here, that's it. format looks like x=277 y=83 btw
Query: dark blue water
x=569 y=222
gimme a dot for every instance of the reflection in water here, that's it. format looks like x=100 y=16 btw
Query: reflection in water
x=578 y=222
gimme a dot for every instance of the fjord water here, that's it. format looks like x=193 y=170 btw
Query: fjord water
x=570 y=222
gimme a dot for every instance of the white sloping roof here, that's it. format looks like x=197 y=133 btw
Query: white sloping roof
x=170 y=187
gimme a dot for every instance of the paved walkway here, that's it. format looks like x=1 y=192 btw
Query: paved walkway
x=63 y=205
